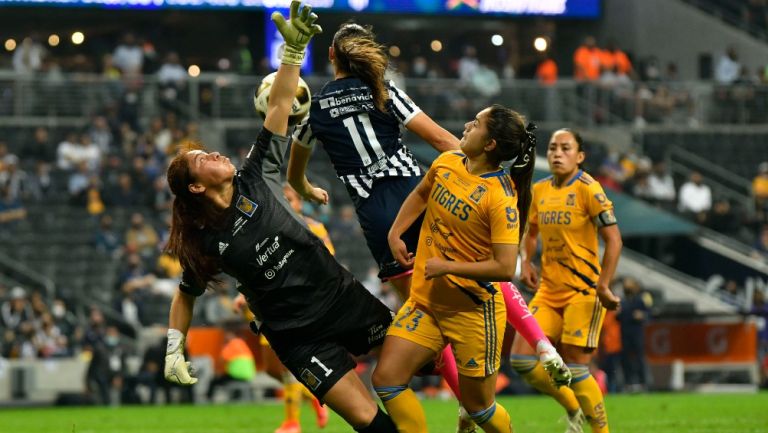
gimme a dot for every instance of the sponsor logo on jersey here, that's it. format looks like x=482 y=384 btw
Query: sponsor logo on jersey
x=478 y=194
x=570 y=200
x=222 y=247
x=439 y=227
x=239 y=223
x=264 y=256
x=310 y=379
x=246 y=206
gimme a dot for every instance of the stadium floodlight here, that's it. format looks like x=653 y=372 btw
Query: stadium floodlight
x=78 y=38
x=436 y=46
x=194 y=71
x=540 y=43
x=10 y=44
x=394 y=51
x=497 y=40
x=53 y=40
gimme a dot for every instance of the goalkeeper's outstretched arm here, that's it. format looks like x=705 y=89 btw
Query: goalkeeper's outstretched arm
x=177 y=369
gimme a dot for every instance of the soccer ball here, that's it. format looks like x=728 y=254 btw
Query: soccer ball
x=301 y=102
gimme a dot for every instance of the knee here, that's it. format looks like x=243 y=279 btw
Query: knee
x=363 y=416
x=384 y=376
x=480 y=411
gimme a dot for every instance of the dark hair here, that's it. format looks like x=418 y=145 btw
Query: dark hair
x=191 y=213
x=576 y=137
x=357 y=53
x=516 y=142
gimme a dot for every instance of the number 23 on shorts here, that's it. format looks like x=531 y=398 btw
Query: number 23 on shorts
x=414 y=314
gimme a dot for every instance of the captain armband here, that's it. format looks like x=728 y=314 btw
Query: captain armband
x=605 y=218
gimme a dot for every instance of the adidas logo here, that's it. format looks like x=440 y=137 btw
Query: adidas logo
x=447 y=175
x=471 y=363
x=578 y=333
x=222 y=247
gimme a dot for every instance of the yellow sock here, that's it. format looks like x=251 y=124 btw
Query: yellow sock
x=404 y=408
x=495 y=419
x=590 y=397
x=307 y=394
x=531 y=370
x=292 y=400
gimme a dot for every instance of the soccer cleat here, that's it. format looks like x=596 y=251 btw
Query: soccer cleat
x=466 y=425
x=553 y=364
x=289 y=427
x=575 y=422
x=321 y=414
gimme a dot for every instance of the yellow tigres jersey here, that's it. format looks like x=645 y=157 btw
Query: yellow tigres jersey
x=465 y=215
x=570 y=260
x=320 y=231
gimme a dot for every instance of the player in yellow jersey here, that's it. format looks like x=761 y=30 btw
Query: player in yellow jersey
x=292 y=389
x=475 y=213
x=569 y=211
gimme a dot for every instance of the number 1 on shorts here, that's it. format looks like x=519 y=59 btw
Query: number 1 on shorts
x=327 y=370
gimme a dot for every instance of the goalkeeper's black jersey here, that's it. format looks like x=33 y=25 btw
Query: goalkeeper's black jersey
x=286 y=272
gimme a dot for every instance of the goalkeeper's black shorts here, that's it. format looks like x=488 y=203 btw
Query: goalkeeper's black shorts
x=320 y=354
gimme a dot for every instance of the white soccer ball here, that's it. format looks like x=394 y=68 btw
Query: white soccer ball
x=301 y=102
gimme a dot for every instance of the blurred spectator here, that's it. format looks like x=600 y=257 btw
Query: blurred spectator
x=64 y=319
x=39 y=184
x=161 y=137
x=723 y=218
x=106 y=239
x=239 y=363
x=695 y=198
x=612 y=58
x=14 y=178
x=135 y=284
x=16 y=310
x=760 y=191
x=49 y=339
x=468 y=64
x=11 y=211
x=101 y=134
x=172 y=78
x=141 y=235
x=610 y=351
x=635 y=309
x=760 y=309
x=662 y=186
x=761 y=244
x=638 y=185
x=755 y=13
x=78 y=184
x=546 y=70
x=242 y=59
x=40 y=148
x=74 y=150
x=345 y=228
x=586 y=61
x=107 y=368
x=123 y=194
x=28 y=57
x=129 y=56
x=728 y=67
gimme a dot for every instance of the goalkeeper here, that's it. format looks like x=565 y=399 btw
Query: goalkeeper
x=315 y=314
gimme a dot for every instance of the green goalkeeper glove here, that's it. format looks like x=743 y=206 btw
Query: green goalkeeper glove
x=297 y=31
x=177 y=369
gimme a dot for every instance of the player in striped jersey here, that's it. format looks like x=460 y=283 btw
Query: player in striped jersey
x=570 y=210
x=357 y=117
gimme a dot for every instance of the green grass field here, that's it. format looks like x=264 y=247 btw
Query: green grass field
x=650 y=413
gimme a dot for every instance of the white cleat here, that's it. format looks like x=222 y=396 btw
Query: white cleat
x=466 y=425
x=575 y=422
x=553 y=364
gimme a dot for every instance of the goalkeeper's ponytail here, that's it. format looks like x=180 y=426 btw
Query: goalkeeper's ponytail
x=358 y=54
x=515 y=142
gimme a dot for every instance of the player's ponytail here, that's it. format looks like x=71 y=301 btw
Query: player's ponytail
x=190 y=214
x=358 y=54
x=515 y=142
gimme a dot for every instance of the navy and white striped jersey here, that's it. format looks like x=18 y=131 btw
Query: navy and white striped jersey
x=362 y=142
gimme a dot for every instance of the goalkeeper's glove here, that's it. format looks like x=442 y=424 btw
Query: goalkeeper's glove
x=297 y=31
x=553 y=364
x=177 y=369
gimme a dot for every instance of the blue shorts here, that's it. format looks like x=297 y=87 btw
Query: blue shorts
x=376 y=215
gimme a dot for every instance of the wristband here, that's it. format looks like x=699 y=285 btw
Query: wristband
x=293 y=56
x=175 y=340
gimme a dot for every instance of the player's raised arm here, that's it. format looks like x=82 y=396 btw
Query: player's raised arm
x=297 y=31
